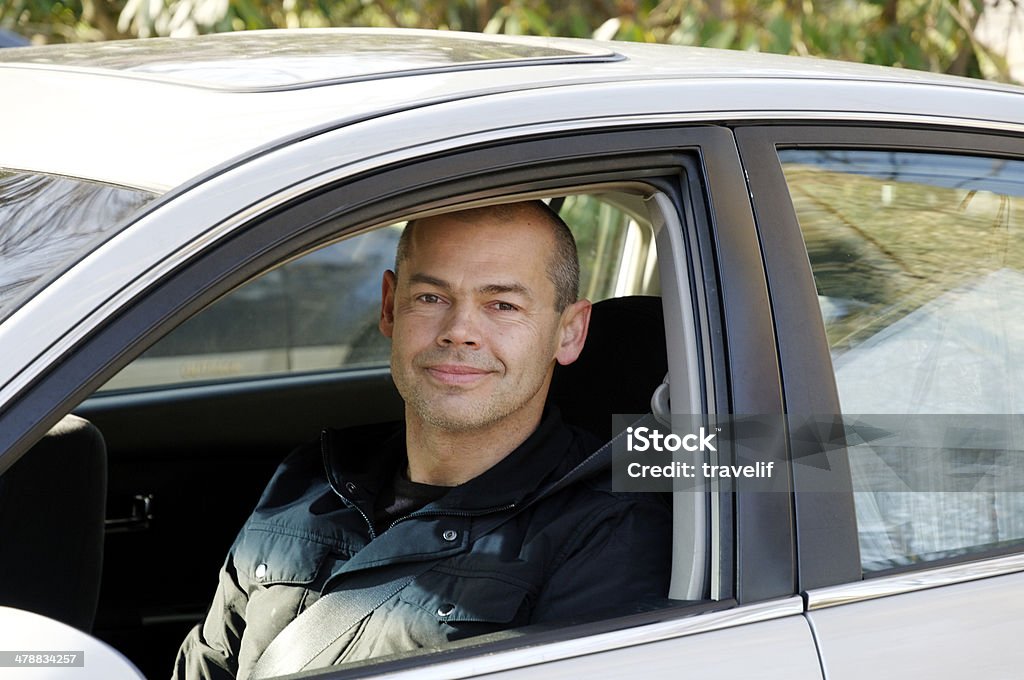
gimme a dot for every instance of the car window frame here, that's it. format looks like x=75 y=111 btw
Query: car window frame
x=743 y=357
x=827 y=545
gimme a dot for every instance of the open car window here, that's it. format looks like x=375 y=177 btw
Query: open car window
x=313 y=322
x=319 y=312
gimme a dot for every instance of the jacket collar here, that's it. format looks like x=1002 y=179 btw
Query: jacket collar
x=359 y=461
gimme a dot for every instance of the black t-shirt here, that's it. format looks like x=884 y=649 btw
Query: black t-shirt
x=403 y=497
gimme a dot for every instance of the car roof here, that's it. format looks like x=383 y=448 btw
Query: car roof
x=269 y=60
x=154 y=113
x=262 y=61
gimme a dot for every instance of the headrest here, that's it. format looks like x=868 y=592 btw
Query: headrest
x=622 y=363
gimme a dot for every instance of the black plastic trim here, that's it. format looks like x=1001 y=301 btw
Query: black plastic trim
x=764 y=523
x=826 y=526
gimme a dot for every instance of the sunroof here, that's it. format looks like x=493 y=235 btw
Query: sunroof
x=269 y=60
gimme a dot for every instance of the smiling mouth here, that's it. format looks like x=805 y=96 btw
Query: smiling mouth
x=456 y=374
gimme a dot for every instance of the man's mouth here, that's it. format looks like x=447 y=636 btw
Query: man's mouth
x=456 y=374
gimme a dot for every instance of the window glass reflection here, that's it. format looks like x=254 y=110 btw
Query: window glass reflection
x=47 y=223
x=918 y=260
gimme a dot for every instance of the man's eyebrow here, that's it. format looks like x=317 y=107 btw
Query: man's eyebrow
x=505 y=288
x=487 y=289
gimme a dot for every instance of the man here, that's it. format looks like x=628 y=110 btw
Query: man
x=477 y=513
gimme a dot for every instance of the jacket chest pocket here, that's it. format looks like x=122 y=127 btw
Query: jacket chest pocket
x=469 y=605
x=268 y=558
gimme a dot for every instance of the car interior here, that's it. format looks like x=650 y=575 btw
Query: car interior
x=163 y=465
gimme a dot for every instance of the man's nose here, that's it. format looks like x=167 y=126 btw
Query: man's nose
x=460 y=327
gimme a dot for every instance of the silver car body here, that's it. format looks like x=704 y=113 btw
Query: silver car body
x=222 y=154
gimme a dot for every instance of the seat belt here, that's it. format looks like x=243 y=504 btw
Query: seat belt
x=334 y=614
x=313 y=631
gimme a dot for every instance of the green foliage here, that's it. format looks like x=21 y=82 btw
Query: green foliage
x=935 y=35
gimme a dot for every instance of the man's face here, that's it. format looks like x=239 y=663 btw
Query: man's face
x=473 y=324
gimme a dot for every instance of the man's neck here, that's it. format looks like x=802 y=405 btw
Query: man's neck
x=445 y=458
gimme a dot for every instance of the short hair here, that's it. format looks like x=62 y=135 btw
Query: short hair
x=564 y=264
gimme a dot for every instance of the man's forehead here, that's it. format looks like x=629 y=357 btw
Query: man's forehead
x=505 y=213
x=466 y=226
x=442 y=237
x=481 y=250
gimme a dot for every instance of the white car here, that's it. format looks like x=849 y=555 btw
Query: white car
x=191 y=238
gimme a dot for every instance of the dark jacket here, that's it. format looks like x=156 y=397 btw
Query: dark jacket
x=568 y=549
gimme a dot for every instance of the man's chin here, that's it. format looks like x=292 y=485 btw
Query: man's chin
x=457 y=417
x=457 y=425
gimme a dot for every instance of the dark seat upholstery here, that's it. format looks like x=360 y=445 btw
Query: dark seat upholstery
x=623 y=362
x=52 y=507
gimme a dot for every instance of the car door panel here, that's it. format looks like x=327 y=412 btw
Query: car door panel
x=780 y=649
x=970 y=629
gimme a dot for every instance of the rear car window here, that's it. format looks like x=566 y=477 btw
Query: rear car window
x=918 y=260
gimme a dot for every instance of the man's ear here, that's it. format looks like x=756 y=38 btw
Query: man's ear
x=387 y=304
x=573 y=331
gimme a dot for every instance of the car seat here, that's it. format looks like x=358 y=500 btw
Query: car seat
x=52 y=507
x=622 y=363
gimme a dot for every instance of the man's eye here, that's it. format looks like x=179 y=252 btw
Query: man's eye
x=429 y=298
x=505 y=307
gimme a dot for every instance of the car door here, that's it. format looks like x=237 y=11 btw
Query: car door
x=906 y=323
x=200 y=451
